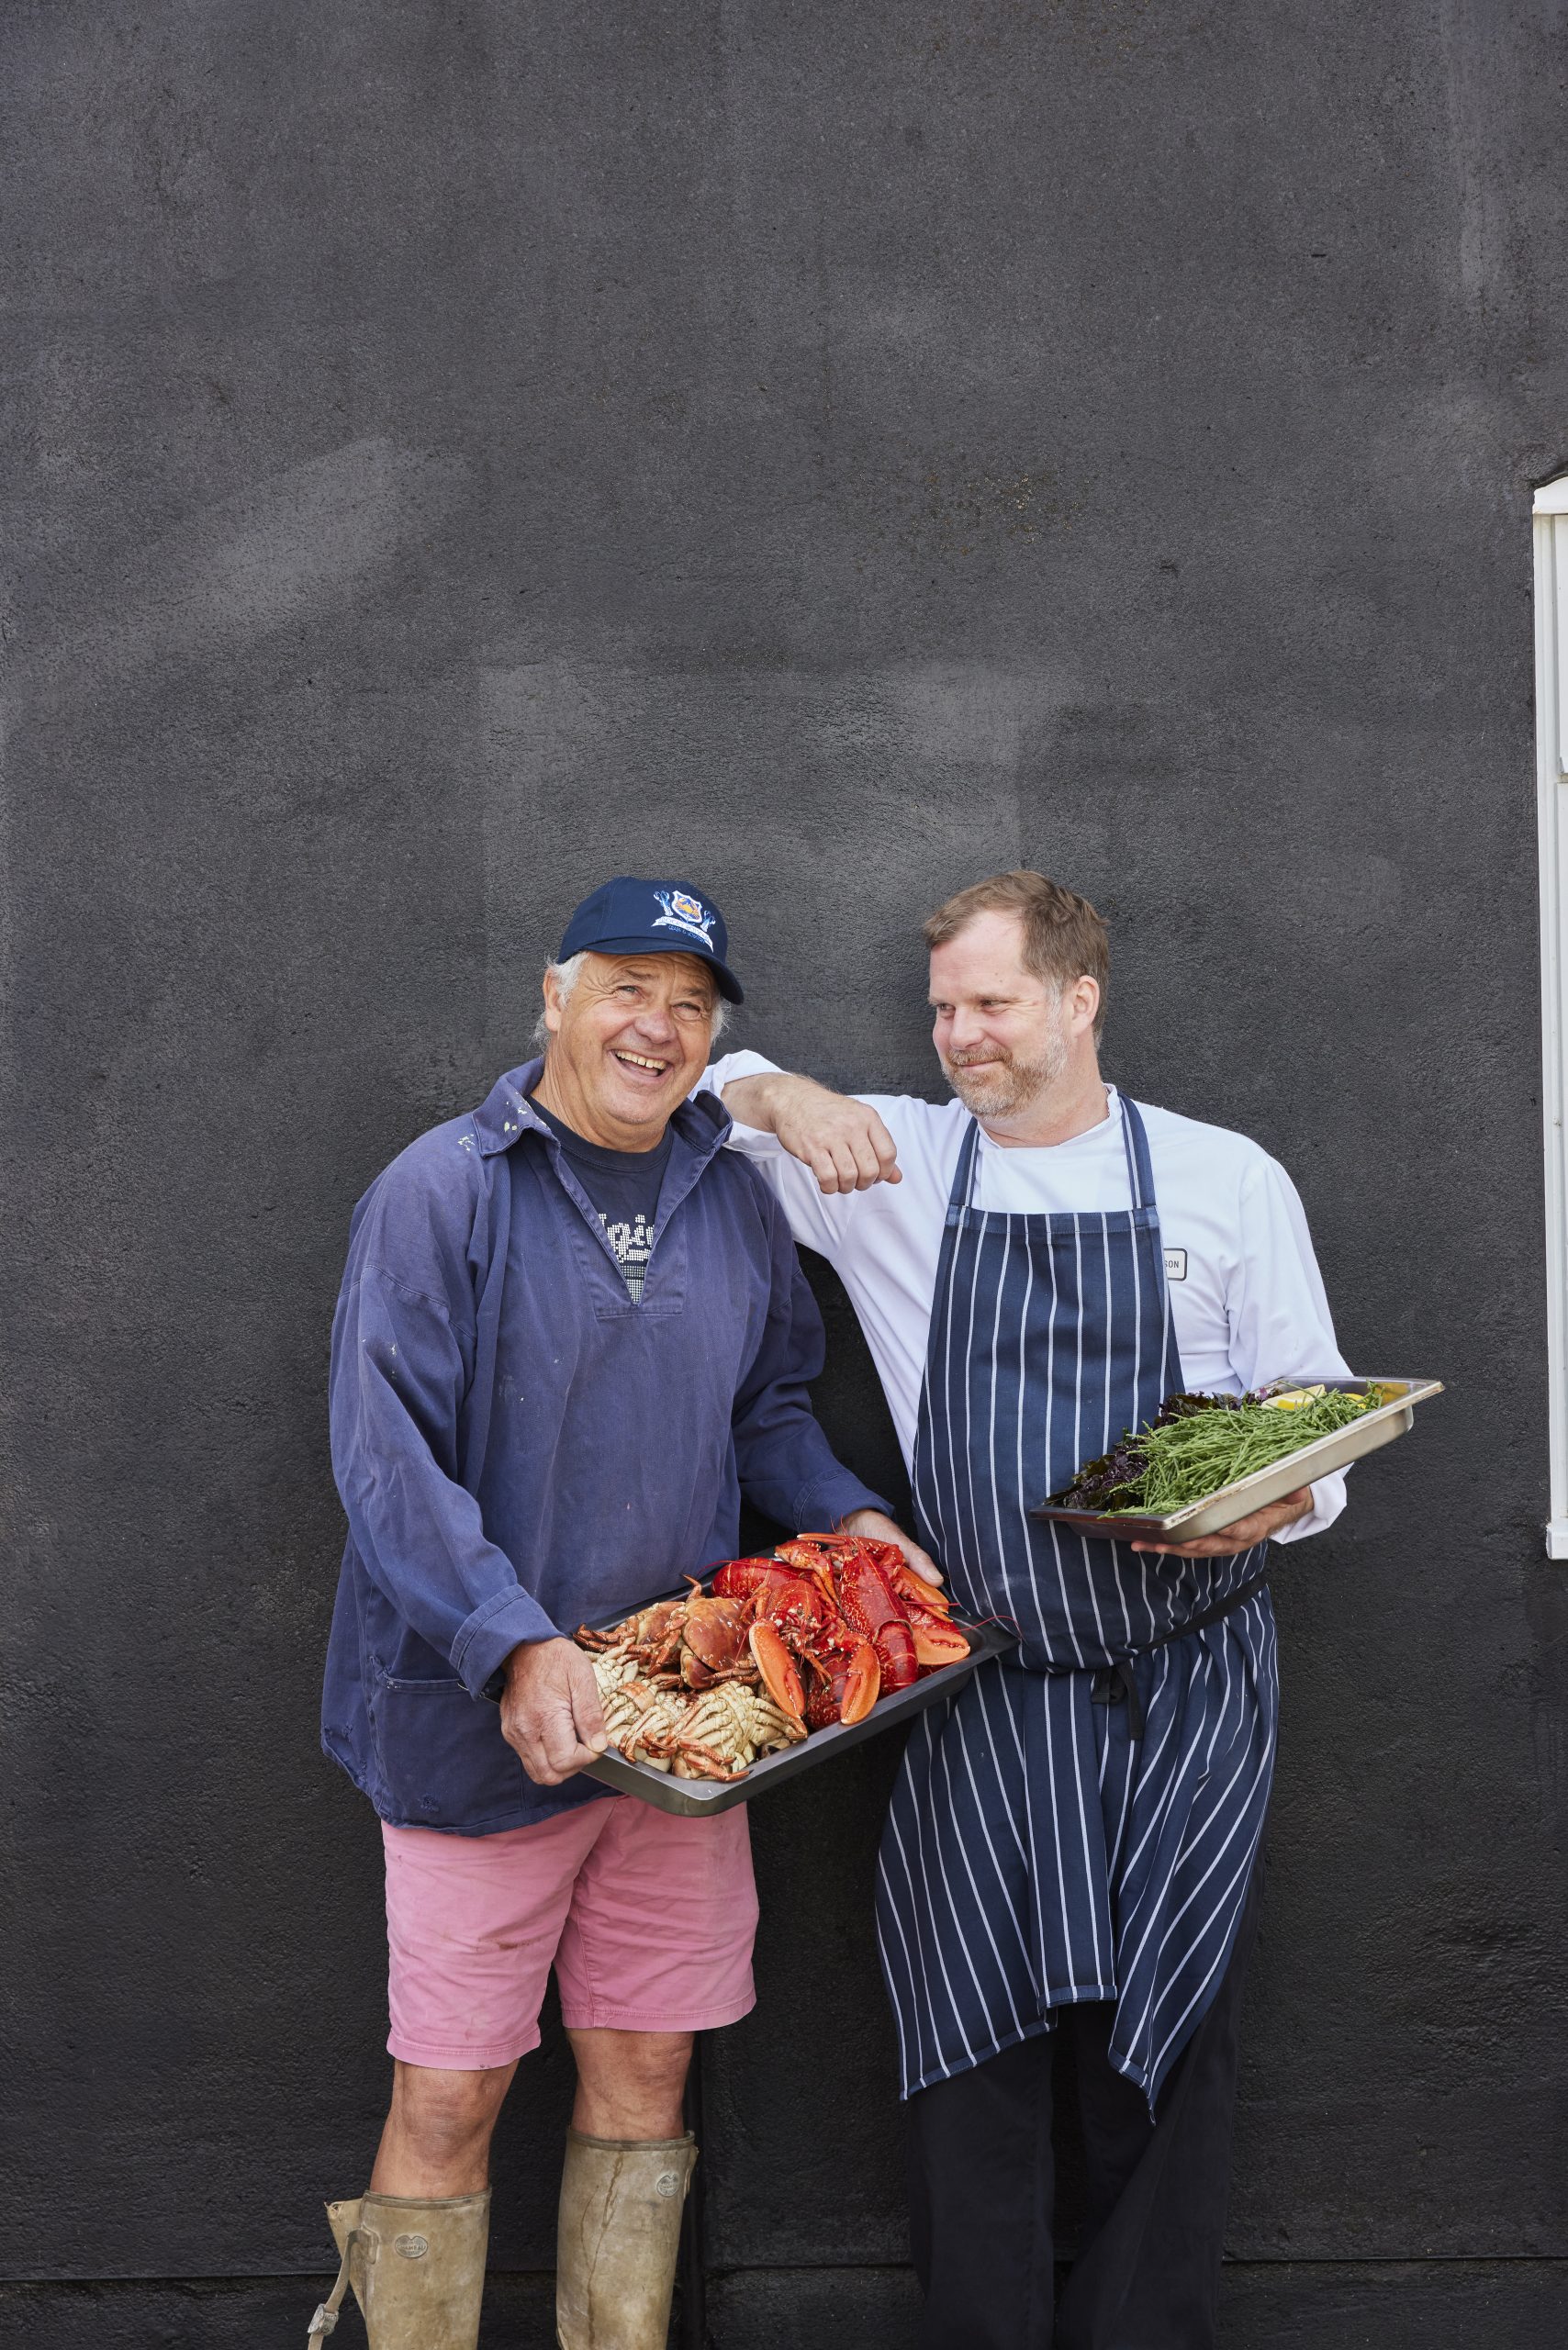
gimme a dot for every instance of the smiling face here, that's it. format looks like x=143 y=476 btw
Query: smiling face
x=1006 y=1037
x=626 y=1045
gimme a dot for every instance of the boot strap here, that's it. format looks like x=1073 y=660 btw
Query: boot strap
x=326 y=2317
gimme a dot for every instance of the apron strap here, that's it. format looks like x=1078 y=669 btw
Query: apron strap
x=1117 y=1680
x=1145 y=1219
x=1140 y=1179
x=1140 y=1166
x=957 y=1209
x=959 y=1198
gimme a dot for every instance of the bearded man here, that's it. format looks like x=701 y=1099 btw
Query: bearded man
x=573 y=1331
x=1073 y=1843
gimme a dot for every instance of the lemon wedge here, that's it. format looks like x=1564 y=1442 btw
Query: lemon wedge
x=1294 y=1397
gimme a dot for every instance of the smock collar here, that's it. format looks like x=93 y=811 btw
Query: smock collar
x=701 y=1121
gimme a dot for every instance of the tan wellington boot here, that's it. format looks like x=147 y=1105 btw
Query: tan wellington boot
x=620 y=2233
x=417 y=2268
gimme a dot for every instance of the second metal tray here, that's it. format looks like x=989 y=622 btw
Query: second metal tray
x=1392 y=1417
x=700 y=1798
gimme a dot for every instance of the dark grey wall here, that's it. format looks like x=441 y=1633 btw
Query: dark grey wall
x=458 y=451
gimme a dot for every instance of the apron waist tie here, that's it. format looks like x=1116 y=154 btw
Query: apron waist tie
x=1111 y=1684
x=1117 y=1681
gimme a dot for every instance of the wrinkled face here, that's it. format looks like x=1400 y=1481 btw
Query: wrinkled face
x=1003 y=1034
x=632 y=1038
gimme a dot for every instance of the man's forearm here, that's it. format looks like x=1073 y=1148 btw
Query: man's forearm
x=754 y=1101
x=843 y=1141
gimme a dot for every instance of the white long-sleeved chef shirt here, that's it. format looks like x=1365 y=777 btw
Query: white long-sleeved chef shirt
x=1246 y=1299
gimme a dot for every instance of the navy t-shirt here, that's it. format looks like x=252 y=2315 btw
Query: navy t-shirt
x=623 y=1185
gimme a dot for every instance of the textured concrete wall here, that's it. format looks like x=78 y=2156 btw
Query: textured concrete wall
x=458 y=451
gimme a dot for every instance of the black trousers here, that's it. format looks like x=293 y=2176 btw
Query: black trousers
x=983 y=2186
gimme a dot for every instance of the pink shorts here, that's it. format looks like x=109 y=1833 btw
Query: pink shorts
x=648 y=1921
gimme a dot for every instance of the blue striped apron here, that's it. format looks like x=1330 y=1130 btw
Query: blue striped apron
x=1045 y=1846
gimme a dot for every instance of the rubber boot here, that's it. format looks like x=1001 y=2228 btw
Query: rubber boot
x=417 y=2268
x=620 y=2233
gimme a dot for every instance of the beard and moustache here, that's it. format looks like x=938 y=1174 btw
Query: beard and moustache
x=1008 y=1082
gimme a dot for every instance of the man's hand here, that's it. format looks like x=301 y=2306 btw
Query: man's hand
x=882 y=1529
x=1242 y=1535
x=843 y=1141
x=550 y=1710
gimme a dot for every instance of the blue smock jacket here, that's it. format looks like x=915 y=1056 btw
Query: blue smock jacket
x=519 y=1446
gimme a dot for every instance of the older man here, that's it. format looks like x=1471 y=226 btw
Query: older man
x=572 y=1332
x=1074 y=1839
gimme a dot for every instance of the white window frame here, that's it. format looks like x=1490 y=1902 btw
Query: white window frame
x=1552 y=814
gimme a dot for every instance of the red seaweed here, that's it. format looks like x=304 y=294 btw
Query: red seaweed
x=1114 y=1480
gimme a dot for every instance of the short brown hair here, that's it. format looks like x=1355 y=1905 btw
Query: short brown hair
x=1064 y=938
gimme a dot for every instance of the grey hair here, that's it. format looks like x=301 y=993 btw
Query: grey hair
x=567 y=975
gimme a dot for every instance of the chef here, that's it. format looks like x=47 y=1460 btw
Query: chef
x=573 y=1331
x=1073 y=1843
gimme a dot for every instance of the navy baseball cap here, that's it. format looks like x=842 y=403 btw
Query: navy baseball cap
x=631 y=917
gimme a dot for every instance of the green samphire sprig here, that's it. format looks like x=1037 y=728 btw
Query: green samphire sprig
x=1185 y=1461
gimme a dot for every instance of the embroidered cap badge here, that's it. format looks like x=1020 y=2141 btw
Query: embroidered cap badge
x=684 y=912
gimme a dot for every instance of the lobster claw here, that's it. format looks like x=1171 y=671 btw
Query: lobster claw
x=777 y=1667
x=936 y=1640
x=862 y=1684
x=915 y=1592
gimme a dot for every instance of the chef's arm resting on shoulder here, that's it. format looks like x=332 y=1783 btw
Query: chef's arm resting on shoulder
x=843 y=1141
x=786 y=1466
x=402 y=1360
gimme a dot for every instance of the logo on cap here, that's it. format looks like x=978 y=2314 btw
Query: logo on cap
x=686 y=913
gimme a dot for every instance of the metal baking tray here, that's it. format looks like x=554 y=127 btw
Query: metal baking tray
x=1392 y=1417
x=699 y=1798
